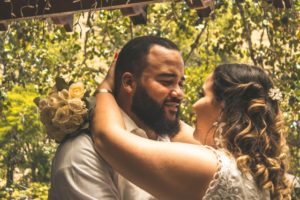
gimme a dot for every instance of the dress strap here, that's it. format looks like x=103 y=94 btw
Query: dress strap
x=216 y=176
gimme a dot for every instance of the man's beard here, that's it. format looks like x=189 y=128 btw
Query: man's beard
x=152 y=114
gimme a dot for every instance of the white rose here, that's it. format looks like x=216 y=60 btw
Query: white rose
x=76 y=90
x=46 y=115
x=68 y=127
x=61 y=116
x=43 y=103
x=64 y=95
x=55 y=101
x=77 y=120
x=77 y=106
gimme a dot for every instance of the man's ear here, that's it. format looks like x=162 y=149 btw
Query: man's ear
x=128 y=82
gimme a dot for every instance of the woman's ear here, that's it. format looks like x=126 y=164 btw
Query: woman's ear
x=128 y=82
x=222 y=105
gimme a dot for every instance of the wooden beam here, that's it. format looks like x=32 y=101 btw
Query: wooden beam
x=22 y=9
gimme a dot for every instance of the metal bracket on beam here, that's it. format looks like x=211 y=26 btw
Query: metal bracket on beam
x=3 y=26
x=137 y=14
x=203 y=7
x=200 y=4
x=204 y=12
x=65 y=20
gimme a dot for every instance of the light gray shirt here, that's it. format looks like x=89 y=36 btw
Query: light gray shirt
x=78 y=172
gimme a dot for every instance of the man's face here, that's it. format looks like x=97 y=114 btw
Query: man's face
x=159 y=91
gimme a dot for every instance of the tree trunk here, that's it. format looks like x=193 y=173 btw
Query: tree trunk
x=10 y=175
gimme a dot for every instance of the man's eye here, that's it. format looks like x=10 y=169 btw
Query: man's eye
x=201 y=93
x=166 y=83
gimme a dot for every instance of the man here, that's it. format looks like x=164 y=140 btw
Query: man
x=149 y=78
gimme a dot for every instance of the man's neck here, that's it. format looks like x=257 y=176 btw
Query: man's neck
x=149 y=132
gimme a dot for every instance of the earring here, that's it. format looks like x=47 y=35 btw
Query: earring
x=219 y=140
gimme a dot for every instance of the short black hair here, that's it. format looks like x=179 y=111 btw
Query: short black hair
x=133 y=56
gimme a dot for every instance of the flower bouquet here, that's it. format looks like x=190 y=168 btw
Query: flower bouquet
x=65 y=111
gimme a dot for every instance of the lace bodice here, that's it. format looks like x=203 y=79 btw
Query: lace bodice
x=229 y=183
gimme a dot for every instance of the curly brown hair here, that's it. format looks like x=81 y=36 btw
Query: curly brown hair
x=254 y=132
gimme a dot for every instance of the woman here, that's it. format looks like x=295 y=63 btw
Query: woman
x=238 y=121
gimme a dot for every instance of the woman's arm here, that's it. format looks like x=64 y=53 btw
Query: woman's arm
x=166 y=170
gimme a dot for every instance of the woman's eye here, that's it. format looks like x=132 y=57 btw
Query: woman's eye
x=201 y=93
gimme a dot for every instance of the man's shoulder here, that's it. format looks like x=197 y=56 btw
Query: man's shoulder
x=78 y=172
x=77 y=151
x=72 y=145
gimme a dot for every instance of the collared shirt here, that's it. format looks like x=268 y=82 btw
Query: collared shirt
x=127 y=189
x=78 y=172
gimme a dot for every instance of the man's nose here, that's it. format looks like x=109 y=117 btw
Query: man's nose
x=177 y=92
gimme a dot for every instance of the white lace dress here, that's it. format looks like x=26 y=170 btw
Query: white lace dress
x=229 y=183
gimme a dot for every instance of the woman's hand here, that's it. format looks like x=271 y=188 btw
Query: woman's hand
x=108 y=81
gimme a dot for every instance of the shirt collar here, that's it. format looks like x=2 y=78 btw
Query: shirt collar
x=133 y=128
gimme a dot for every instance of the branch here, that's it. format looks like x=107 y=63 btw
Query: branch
x=87 y=33
x=206 y=49
x=131 y=29
x=247 y=31
x=266 y=27
x=196 y=42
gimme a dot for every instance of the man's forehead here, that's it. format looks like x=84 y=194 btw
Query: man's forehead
x=170 y=75
x=158 y=50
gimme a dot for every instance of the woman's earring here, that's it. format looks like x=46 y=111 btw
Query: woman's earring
x=219 y=140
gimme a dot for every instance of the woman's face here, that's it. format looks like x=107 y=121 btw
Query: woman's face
x=207 y=112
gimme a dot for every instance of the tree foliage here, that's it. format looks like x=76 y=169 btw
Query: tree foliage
x=25 y=152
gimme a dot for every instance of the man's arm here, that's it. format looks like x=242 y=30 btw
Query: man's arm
x=79 y=173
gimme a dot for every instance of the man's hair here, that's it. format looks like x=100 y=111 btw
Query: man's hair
x=133 y=56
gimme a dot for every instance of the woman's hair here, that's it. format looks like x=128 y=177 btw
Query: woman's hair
x=253 y=131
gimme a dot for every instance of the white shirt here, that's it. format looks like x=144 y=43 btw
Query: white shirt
x=78 y=172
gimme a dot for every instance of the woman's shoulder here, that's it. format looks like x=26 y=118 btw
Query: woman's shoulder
x=230 y=183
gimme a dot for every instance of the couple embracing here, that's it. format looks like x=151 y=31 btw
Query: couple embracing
x=237 y=150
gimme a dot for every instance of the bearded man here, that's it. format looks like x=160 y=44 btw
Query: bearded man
x=149 y=81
